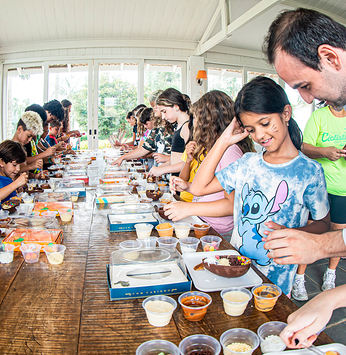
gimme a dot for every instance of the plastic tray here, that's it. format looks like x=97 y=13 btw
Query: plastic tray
x=340 y=348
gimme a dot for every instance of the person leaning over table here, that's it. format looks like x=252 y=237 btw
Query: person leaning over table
x=308 y=51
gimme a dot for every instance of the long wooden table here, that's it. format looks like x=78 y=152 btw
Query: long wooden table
x=66 y=309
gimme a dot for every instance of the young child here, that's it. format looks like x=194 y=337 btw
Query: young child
x=274 y=189
x=53 y=131
x=12 y=154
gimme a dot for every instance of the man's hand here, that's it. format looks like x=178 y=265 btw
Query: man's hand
x=333 y=153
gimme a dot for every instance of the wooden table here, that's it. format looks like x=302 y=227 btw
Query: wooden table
x=65 y=309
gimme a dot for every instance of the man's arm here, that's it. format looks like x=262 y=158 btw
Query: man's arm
x=330 y=153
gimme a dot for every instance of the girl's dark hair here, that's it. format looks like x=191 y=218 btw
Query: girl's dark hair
x=128 y=115
x=146 y=115
x=54 y=107
x=263 y=95
x=66 y=103
x=38 y=109
x=12 y=151
x=171 y=97
x=137 y=108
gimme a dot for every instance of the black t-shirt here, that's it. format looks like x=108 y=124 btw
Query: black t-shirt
x=27 y=147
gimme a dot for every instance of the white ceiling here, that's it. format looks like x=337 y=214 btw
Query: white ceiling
x=175 y=23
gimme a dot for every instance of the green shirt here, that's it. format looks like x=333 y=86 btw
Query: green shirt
x=158 y=141
x=323 y=129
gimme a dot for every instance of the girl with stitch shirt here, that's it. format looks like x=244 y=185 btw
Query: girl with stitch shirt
x=174 y=108
x=213 y=112
x=274 y=189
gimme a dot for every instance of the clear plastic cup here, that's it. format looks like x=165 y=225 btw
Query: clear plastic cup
x=4 y=214
x=74 y=196
x=143 y=230
x=31 y=252
x=169 y=243
x=199 y=342
x=66 y=216
x=165 y=230
x=182 y=230
x=159 y=309
x=188 y=245
x=194 y=304
x=210 y=242
x=269 y=335
x=55 y=253
x=154 y=347
x=6 y=253
x=201 y=229
x=240 y=336
x=265 y=296
x=130 y=244
x=235 y=300
x=149 y=242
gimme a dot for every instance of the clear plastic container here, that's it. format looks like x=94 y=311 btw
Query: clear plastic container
x=165 y=230
x=265 y=296
x=31 y=252
x=130 y=244
x=143 y=230
x=199 y=342
x=159 y=309
x=35 y=222
x=195 y=305
x=241 y=336
x=53 y=197
x=188 y=245
x=182 y=230
x=269 y=334
x=235 y=300
x=201 y=229
x=210 y=242
x=6 y=253
x=148 y=242
x=55 y=253
x=167 y=242
x=154 y=347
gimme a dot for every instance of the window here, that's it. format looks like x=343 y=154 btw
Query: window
x=253 y=74
x=226 y=80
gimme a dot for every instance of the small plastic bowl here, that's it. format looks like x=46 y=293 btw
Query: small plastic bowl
x=236 y=306
x=6 y=253
x=156 y=317
x=31 y=252
x=188 y=245
x=195 y=305
x=3 y=214
x=130 y=244
x=55 y=253
x=145 y=200
x=182 y=230
x=167 y=243
x=156 y=347
x=148 y=242
x=201 y=229
x=239 y=335
x=210 y=242
x=74 y=196
x=65 y=216
x=269 y=329
x=143 y=230
x=165 y=230
x=266 y=303
x=199 y=342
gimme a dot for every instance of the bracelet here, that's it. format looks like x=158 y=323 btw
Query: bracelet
x=50 y=161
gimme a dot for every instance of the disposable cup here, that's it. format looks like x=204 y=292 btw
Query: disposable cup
x=239 y=335
x=265 y=296
x=159 y=309
x=131 y=244
x=268 y=334
x=55 y=253
x=66 y=216
x=182 y=230
x=148 y=242
x=31 y=252
x=194 y=304
x=188 y=245
x=165 y=230
x=154 y=347
x=201 y=229
x=167 y=243
x=235 y=300
x=199 y=342
x=210 y=242
x=143 y=230
x=6 y=253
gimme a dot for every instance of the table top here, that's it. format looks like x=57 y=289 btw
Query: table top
x=66 y=309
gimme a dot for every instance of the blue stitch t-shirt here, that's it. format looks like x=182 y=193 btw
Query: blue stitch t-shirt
x=282 y=193
x=4 y=181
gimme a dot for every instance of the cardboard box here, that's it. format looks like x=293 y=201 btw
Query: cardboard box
x=129 y=225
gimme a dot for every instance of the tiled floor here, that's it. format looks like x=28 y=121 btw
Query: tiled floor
x=336 y=327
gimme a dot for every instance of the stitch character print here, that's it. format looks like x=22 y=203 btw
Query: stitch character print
x=255 y=210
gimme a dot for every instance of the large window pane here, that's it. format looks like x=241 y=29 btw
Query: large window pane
x=253 y=74
x=117 y=96
x=226 y=80
x=24 y=87
x=160 y=77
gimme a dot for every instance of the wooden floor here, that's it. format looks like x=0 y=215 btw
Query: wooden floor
x=65 y=309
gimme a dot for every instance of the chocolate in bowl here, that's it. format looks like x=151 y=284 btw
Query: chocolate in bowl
x=45 y=186
x=35 y=190
x=234 y=270
x=154 y=194
x=10 y=206
x=161 y=212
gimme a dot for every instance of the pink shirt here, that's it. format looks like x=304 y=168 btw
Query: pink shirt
x=221 y=224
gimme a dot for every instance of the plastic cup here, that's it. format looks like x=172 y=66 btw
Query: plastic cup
x=6 y=253
x=55 y=253
x=4 y=214
x=210 y=242
x=182 y=230
x=143 y=230
x=149 y=242
x=159 y=309
x=194 y=304
x=66 y=216
x=239 y=335
x=199 y=342
x=265 y=296
x=201 y=229
x=235 y=300
x=154 y=347
x=165 y=230
x=31 y=252
x=167 y=243
x=74 y=196
x=130 y=244
x=24 y=209
x=269 y=343
x=188 y=245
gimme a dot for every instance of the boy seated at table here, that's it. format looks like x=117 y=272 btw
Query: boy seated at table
x=53 y=131
x=12 y=154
